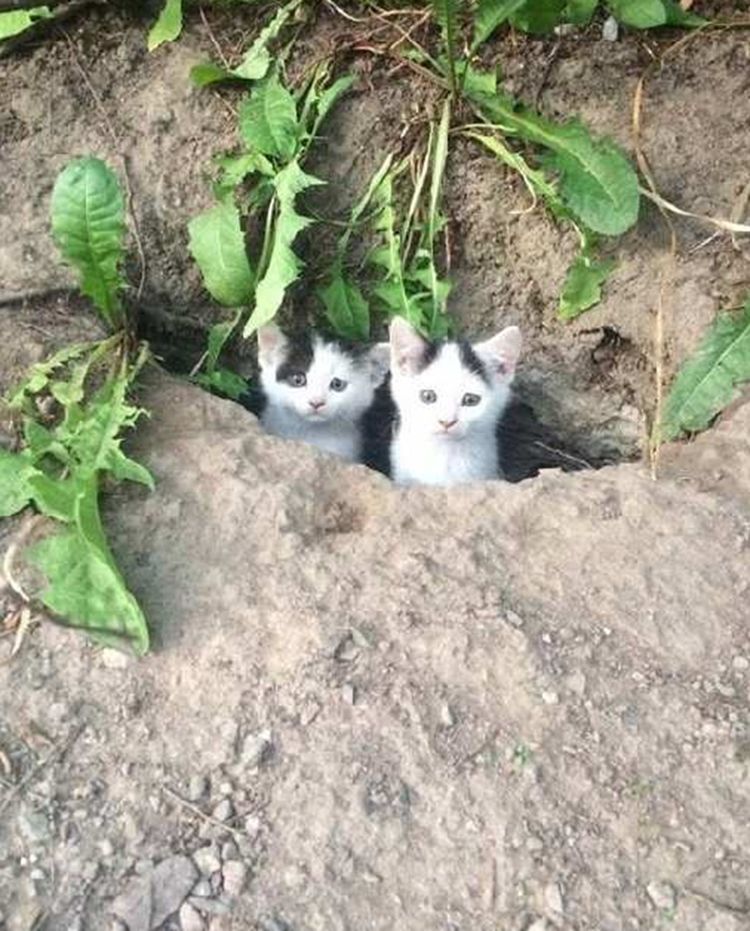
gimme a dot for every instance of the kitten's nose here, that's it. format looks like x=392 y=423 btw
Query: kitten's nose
x=447 y=424
x=316 y=405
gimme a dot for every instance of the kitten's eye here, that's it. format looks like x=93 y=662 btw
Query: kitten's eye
x=427 y=396
x=470 y=400
x=338 y=384
x=297 y=379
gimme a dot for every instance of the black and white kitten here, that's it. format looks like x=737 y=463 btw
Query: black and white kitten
x=436 y=421
x=316 y=389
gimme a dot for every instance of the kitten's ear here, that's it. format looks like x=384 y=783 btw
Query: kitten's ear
x=407 y=347
x=271 y=342
x=502 y=351
x=379 y=357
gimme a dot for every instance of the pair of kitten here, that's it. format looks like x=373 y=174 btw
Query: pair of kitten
x=421 y=412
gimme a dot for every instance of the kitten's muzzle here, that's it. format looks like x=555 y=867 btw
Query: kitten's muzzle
x=317 y=405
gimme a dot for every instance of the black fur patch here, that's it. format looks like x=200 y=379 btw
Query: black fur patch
x=299 y=356
x=378 y=426
x=471 y=361
x=431 y=352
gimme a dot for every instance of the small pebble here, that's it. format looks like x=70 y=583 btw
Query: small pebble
x=252 y=826
x=550 y=698
x=255 y=748
x=197 y=788
x=106 y=847
x=235 y=875
x=610 y=29
x=190 y=918
x=553 y=899
x=223 y=811
x=348 y=693
x=114 y=659
x=515 y=619
x=740 y=663
x=206 y=860
x=662 y=895
x=202 y=888
x=447 y=718
x=229 y=851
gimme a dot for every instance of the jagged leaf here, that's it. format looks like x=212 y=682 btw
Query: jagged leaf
x=347 y=310
x=597 y=182
x=706 y=383
x=218 y=246
x=18 y=21
x=88 y=227
x=268 y=120
x=223 y=381
x=583 y=285
x=284 y=265
x=15 y=491
x=168 y=26
x=489 y=15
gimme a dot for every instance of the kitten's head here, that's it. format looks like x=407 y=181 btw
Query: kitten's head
x=317 y=378
x=451 y=389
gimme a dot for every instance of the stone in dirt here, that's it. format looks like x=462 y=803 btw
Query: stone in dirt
x=207 y=861
x=235 y=876
x=255 y=748
x=190 y=918
x=662 y=894
x=151 y=898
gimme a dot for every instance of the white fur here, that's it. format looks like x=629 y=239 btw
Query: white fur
x=447 y=442
x=334 y=427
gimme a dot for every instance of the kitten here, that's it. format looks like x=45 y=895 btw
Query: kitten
x=436 y=421
x=316 y=389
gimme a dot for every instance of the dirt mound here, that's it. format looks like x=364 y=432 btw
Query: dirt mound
x=411 y=709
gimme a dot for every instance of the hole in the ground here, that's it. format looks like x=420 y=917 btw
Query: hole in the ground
x=549 y=424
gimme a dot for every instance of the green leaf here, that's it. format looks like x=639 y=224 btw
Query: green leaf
x=597 y=182
x=330 y=97
x=84 y=586
x=207 y=72
x=284 y=266
x=18 y=21
x=268 y=120
x=580 y=12
x=257 y=59
x=538 y=16
x=218 y=246
x=643 y=14
x=217 y=338
x=676 y=16
x=583 y=286
x=347 y=310
x=224 y=382
x=88 y=228
x=489 y=15
x=15 y=492
x=55 y=497
x=706 y=383
x=168 y=26
x=446 y=13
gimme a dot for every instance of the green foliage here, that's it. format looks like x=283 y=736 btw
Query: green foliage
x=707 y=382
x=257 y=61
x=647 y=14
x=446 y=14
x=18 y=21
x=410 y=285
x=346 y=308
x=217 y=244
x=88 y=227
x=168 y=26
x=583 y=285
x=539 y=16
x=59 y=472
x=72 y=411
x=580 y=12
x=489 y=15
x=596 y=181
x=260 y=184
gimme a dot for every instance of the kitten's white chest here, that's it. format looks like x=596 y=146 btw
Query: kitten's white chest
x=438 y=461
x=342 y=438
